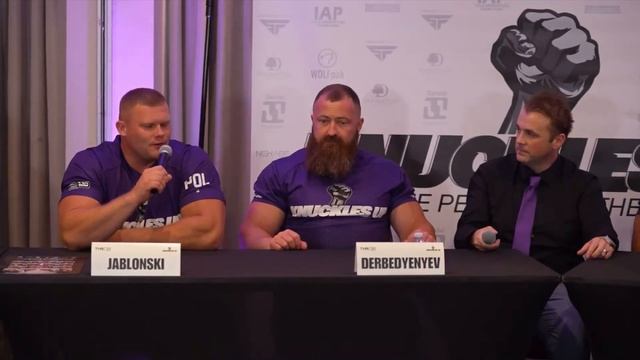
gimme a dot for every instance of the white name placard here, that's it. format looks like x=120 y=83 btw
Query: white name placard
x=399 y=258
x=135 y=259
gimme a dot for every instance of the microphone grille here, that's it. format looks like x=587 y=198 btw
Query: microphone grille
x=488 y=237
x=166 y=149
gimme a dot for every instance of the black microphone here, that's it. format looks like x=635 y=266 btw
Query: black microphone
x=165 y=155
x=489 y=237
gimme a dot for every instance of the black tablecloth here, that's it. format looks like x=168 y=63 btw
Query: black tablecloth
x=267 y=304
x=607 y=294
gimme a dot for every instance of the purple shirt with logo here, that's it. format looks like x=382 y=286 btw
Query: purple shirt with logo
x=103 y=174
x=335 y=214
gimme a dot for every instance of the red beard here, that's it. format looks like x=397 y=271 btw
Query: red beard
x=330 y=157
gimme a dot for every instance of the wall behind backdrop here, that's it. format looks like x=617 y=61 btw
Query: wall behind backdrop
x=441 y=83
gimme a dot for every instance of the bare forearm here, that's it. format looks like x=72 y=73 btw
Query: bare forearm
x=191 y=232
x=255 y=237
x=80 y=226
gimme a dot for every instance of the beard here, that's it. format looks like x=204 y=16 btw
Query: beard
x=331 y=157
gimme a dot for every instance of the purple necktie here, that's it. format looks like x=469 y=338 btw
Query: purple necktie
x=524 y=224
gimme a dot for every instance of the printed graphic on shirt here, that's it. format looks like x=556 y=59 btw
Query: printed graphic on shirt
x=196 y=181
x=76 y=185
x=339 y=193
x=151 y=223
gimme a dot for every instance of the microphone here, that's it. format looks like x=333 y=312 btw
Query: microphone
x=165 y=155
x=489 y=237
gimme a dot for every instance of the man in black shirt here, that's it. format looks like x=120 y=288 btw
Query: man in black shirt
x=571 y=222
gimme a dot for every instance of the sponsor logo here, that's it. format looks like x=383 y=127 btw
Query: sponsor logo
x=436 y=105
x=273 y=63
x=328 y=16
x=381 y=51
x=268 y=154
x=327 y=59
x=274 y=25
x=602 y=9
x=380 y=90
x=273 y=109
x=435 y=59
x=436 y=20
x=491 y=5
x=78 y=185
x=382 y=7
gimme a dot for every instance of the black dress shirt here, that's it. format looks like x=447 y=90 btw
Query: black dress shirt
x=570 y=210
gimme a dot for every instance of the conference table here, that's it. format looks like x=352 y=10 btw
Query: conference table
x=234 y=304
x=607 y=294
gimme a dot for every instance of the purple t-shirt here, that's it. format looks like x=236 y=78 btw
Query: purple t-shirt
x=335 y=214
x=103 y=174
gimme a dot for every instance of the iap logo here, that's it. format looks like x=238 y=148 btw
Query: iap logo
x=340 y=193
x=328 y=16
x=545 y=50
x=381 y=51
x=274 y=25
x=436 y=20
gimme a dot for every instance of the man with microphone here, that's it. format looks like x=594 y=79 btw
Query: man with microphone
x=142 y=187
x=539 y=203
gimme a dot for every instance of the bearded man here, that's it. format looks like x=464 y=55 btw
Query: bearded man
x=332 y=194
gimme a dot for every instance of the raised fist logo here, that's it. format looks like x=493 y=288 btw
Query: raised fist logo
x=546 y=50
x=339 y=193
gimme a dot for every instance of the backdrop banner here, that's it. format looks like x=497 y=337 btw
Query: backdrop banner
x=441 y=83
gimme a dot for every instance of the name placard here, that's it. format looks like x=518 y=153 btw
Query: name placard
x=135 y=259
x=399 y=258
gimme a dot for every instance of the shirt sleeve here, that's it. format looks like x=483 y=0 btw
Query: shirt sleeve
x=268 y=188
x=476 y=213
x=200 y=178
x=82 y=177
x=594 y=217
x=403 y=192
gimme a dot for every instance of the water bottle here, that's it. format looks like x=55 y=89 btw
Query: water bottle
x=418 y=236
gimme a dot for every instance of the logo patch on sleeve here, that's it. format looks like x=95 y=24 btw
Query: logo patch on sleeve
x=78 y=185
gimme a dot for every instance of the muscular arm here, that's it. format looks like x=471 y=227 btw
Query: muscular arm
x=635 y=243
x=201 y=226
x=408 y=218
x=82 y=220
x=261 y=226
